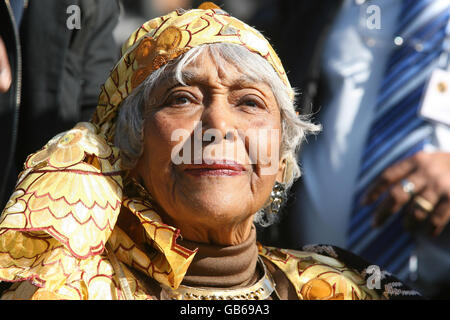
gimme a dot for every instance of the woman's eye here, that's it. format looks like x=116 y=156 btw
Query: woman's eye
x=252 y=102
x=179 y=100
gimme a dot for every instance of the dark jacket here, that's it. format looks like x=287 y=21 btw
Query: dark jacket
x=57 y=74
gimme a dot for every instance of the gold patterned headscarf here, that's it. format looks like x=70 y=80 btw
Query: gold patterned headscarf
x=163 y=39
x=63 y=212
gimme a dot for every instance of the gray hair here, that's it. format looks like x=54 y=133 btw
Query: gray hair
x=130 y=122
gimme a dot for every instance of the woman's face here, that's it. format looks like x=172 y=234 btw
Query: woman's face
x=211 y=151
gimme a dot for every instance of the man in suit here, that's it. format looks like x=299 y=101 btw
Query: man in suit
x=377 y=179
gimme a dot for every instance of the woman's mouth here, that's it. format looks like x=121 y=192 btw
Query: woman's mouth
x=214 y=168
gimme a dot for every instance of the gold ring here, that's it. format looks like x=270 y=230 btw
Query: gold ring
x=423 y=204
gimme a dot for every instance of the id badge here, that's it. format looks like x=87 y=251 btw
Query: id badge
x=436 y=100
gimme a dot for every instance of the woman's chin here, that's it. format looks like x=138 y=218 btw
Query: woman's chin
x=217 y=204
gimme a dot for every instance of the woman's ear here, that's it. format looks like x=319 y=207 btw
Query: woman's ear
x=281 y=174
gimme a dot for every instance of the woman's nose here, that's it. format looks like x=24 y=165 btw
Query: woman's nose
x=218 y=120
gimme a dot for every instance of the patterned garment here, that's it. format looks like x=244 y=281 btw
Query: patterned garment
x=59 y=232
x=46 y=259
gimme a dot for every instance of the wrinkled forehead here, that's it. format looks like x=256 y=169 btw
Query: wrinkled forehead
x=230 y=64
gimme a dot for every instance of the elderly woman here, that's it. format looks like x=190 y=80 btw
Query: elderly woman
x=193 y=141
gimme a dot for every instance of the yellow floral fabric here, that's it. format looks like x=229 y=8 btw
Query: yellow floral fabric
x=319 y=277
x=68 y=189
x=54 y=228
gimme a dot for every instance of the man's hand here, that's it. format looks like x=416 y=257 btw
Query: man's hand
x=5 y=69
x=430 y=199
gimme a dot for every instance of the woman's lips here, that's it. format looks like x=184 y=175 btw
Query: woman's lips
x=215 y=168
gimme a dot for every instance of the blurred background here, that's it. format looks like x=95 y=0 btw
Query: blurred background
x=135 y=12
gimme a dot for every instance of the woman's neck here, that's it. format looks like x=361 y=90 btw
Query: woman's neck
x=219 y=233
x=223 y=266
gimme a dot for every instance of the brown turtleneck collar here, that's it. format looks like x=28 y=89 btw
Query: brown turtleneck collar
x=223 y=266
